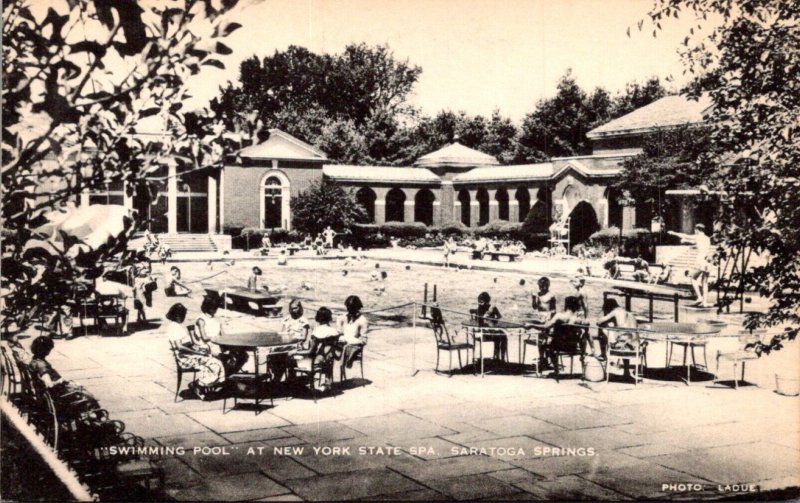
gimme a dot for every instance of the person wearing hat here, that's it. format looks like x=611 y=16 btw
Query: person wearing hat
x=253 y=280
x=702 y=243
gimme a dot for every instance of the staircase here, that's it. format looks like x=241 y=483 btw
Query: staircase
x=188 y=242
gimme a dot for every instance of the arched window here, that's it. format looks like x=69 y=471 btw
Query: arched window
x=275 y=195
x=423 y=206
x=501 y=196
x=366 y=198
x=463 y=198
x=483 y=206
x=395 y=205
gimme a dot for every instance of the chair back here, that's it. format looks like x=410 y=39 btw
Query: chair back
x=323 y=350
x=750 y=339
x=625 y=340
x=439 y=327
x=9 y=372
x=193 y=334
x=567 y=338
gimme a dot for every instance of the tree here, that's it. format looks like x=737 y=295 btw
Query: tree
x=749 y=63
x=304 y=93
x=670 y=159
x=78 y=79
x=636 y=96
x=326 y=204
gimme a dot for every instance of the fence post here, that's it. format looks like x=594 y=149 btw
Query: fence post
x=414 y=343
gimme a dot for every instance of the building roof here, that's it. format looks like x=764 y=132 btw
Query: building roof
x=669 y=111
x=456 y=155
x=519 y=172
x=379 y=174
x=283 y=146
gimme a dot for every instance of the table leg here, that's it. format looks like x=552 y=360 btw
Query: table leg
x=481 y=355
x=519 y=346
x=651 y=307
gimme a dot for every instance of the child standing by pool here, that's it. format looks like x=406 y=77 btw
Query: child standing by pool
x=485 y=313
x=543 y=302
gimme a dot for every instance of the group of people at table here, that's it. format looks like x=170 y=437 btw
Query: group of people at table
x=547 y=319
x=215 y=362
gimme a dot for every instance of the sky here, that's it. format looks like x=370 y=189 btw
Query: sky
x=476 y=55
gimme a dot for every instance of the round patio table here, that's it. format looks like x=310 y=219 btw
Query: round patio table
x=271 y=341
x=494 y=329
x=672 y=333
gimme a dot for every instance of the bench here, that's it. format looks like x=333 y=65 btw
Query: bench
x=100 y=310
x=495 y=255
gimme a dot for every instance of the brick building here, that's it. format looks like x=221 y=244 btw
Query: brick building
x=452 y=184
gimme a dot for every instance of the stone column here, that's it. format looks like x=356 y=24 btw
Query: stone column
x=222 y=200
x=408 y=211
x=85 y=197
x=437 y=212
x=687 y=215
x=474 y=208
x=456 y=211
x=447 y=198
x=380 y=205
x=127 y=201
x=494 y=206
x=513 y=210
x=212 y=204
x=628 y=217
x=172 y=199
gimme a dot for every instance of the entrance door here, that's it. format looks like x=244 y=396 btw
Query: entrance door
x=273 y=217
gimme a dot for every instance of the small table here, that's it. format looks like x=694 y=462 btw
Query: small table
x=672 y=333
x=498 y=328
x=272 y=341
x=240 y=299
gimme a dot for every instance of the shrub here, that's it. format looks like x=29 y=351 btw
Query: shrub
x=455 y=229
x=635 y=242
x=500 y=229
x=368 y=236
x=404 y=229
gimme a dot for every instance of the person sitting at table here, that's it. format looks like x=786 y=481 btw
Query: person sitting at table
x=321 y=332
x=485 y=313
x=209 y=330
x=296 y=325
x=175 y=288
x=543 y=302
x=616 y=316
x=194 y=354
x=558 y=339
x=70 y=399
x=353 y=326
x=583 y=307
x=254 y=279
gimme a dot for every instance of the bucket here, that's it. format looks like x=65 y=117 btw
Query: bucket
x=593 y=370
x=787 y=386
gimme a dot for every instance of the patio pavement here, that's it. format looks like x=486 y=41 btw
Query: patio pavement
x=425 y=436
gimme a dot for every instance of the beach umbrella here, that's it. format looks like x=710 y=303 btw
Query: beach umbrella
x=74 y=231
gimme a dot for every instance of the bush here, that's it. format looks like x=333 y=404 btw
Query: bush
x=404 y=229
x=368 y=236
x=455 y=229
x=635 y=242
x=500 y=229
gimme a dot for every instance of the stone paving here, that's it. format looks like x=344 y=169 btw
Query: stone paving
x=407 y=433
x=428 y=436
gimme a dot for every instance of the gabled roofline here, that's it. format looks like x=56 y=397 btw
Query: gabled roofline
x=638 y=131
x=298 y=142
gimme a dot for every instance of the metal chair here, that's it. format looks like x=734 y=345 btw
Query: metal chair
x=357 y=355
x=688 y=345
x=747 y=344
x=626 y=346
x=317 y=364
x=566 y=340
x=176 y=353
x=444 y=342
x=534 y=339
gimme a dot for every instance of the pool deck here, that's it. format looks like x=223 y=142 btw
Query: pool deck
x=407 y=433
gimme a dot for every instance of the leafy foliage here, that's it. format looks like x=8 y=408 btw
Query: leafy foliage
x=326 y=204
x=79 y=76
x=670 y=159
x=749 y=65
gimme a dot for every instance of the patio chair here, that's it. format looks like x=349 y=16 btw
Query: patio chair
x=357 y=355
x=688 y=345
x=625 y=345
x=38 y=405
x=444 y=342
x=745 y=352
x=316 y=365
x=11 y=383
x=566 y=341
x=109 y=308
x=534 y=339
x=176 y=353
